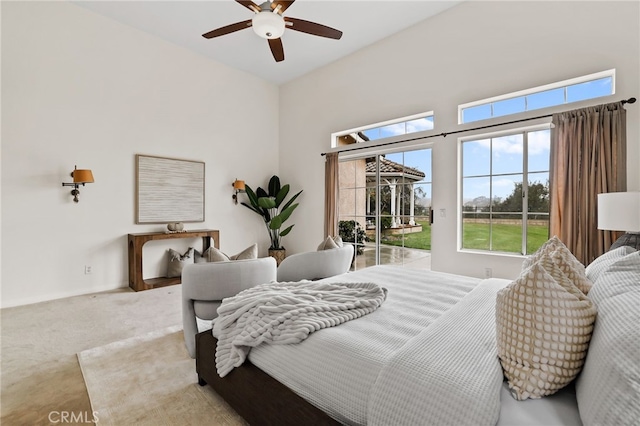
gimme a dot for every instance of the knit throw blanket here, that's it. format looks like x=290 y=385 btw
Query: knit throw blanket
x=283 y=313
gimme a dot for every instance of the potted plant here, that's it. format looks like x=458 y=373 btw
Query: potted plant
x=269 y=205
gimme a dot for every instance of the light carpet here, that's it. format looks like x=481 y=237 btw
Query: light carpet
x=150 y=380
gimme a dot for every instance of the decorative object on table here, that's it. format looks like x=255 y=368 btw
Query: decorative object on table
x=269 y=205
x=169 y=190
x=80 y=177
x=238 y=186
x=177 y=262
x=175 y=227
x=620 y=211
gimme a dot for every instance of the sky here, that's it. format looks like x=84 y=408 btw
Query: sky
x=492 y=166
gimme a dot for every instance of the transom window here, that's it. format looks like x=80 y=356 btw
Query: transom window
x=505 y=191
x=563 y=92
x=399 y=126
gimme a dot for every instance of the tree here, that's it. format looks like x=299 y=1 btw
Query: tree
x=538 y=199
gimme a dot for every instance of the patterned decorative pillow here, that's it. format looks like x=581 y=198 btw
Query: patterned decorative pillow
x=331 y=243
x=212 y=254
x=552 y=245
x=602 y=263
x=575 y=273
x=607 y=389
x=177 y=262
x=543 y=328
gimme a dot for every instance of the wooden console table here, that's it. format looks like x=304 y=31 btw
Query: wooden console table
x=136 y=241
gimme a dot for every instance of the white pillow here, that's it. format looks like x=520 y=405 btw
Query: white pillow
x=212 y=254
x=543 y=328
x=331 y=243
x=608 y=390
x=602 y=263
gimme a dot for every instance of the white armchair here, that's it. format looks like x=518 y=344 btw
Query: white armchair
x=315 y=265
x=204 y=285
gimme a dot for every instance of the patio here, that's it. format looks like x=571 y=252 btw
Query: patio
x=392 y=255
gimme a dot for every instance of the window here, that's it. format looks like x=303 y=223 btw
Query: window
x=384 y=208
x=400 y=126
x=505 y=191
x=563 y=92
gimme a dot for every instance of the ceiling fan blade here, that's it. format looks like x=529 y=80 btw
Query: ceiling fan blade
x=228 y=29
x=276 y=48
x=284 y=5
x=313 y=28
x=249 y=5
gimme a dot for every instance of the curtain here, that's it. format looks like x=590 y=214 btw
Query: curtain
x=331 y=195
x=588 y=157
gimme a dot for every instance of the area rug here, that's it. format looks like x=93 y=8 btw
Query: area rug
x=150 y=380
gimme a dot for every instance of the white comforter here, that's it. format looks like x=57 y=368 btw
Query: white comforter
x=337 y=369
x=447 y=374
x=284 y=313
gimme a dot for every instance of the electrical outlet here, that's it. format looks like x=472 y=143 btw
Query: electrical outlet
x=87 y=269
x=488 y=273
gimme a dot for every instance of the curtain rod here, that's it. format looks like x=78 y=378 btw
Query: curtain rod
x=444 y=134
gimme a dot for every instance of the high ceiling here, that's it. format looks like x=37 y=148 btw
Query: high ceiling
x=183 y=23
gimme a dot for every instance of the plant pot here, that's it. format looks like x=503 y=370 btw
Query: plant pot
x=278 y=255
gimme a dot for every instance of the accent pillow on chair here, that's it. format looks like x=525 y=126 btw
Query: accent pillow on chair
x=212 y=254
x=177 y=261
x=331 y=243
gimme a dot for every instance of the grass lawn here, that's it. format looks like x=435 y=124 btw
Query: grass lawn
x=506 y=238
x=417 y=240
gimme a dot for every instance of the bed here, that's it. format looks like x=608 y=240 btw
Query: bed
x=426 y=356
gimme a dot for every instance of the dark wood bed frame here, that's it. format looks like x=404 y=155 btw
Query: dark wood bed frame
x=253 y=394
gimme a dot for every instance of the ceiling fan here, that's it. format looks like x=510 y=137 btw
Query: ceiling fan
x=269 y=23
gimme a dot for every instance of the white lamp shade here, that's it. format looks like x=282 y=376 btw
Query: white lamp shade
x=268 y=25
x=619 y=211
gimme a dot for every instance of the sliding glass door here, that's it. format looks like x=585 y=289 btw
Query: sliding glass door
x=385 y=208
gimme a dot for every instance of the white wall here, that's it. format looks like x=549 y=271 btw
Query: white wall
x=78 y=88
x=472 y=51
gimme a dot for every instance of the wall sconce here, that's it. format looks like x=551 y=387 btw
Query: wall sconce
x=80 y=177
x=238 y=186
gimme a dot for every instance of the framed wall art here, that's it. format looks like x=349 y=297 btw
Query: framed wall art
x=169 y=190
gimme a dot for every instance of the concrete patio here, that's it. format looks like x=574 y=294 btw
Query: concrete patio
x=393 y=255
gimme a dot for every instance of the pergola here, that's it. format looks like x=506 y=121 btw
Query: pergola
x=394 y=174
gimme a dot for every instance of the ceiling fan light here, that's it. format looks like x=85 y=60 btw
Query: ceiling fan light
x=268 y=24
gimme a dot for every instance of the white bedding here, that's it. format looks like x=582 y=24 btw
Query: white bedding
x=354 y=371
x=336 y=368
x=286 y=313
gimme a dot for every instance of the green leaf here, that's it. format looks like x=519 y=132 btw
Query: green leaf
x=266 y=202
x=286 y=231
x=261 y=193
x=274 y=186
x=291 y=200
x=258 y=211
x=282 y=194
x=284 y=214
x=253 y=199
x=276 y=222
